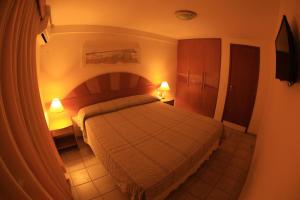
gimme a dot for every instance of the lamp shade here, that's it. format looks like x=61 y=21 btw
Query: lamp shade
x=56 y=106
x=164 y=86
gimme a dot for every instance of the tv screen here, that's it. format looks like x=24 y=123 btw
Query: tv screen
x=285 y=53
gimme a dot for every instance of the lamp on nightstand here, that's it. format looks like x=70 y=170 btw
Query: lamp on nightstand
x=164 y=87
x=56 y=106
x=58 y=118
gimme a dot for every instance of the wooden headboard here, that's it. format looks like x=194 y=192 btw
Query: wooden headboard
x=106 y=87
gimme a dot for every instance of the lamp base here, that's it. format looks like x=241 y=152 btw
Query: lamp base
x=162 y=94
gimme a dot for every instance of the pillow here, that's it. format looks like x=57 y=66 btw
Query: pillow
x=111 y=106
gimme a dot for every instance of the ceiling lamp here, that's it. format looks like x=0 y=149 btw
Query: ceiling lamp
x=185 y=14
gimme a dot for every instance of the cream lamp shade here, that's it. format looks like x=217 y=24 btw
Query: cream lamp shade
x=164 y=86
x=58 y=118
x=56 y=106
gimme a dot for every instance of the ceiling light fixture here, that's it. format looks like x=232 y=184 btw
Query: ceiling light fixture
x=185 y=14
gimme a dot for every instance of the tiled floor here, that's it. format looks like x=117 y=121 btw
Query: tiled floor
x=220 y=178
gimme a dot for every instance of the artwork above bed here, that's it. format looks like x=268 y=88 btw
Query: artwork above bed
x=110 y=52
x=112 y=57
x=106 y=87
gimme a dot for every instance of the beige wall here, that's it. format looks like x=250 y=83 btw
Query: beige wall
x=61 y=66
x=275 y=171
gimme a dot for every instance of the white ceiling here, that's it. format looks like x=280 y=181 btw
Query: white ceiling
x=250 y=19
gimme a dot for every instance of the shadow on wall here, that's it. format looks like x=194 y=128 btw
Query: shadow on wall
x=296 y=36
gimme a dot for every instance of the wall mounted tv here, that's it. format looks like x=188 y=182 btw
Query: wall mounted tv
x=286 y=68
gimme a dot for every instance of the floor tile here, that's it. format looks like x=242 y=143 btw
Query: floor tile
x=242 y=153
x=90 y=160
x=80 y=177
x=98 y=198
x=70 y=154
x=86 y=151
x=96 y=171
x=87 y=191
x=243 y=164
x=211 y=177
x=218 y=195
x=227 y=185
x=200 y=189
x=189 y=197
x=74 y=194
x=235 y=173
x=105 y=184
x=177 y=194
x=115 y=195
x=74 y=165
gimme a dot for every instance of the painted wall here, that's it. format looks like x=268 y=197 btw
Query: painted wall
x=62 y=68
x=275 y=170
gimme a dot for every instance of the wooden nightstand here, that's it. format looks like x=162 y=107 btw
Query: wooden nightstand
x=168 y=101
x=63 y=134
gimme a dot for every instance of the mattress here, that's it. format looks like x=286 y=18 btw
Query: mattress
x=148 y=147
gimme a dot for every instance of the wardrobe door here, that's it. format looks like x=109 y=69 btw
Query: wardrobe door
x=211 y=75
x=198 y=75
x=195 y=74
x=182 y=94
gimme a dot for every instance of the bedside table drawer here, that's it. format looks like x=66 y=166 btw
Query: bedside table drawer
x=63 y=132
x=64 y=138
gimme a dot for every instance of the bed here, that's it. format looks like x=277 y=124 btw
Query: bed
x=148 y=147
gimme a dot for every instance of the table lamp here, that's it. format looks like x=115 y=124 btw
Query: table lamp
x=164 y=87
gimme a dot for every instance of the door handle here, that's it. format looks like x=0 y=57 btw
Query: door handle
x=204 y=79
x=188 y=78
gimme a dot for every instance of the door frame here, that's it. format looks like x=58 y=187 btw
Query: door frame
x=228 y=83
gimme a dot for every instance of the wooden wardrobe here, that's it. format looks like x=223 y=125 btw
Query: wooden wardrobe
x=198 y=75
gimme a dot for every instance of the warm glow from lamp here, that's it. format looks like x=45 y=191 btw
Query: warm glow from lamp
x=58 y=118
x=56 y=106
x=164 y=87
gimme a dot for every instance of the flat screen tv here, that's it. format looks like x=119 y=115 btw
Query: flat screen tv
x=286 y=69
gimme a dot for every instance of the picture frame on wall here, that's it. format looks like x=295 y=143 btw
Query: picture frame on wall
x=105 y=53
x=112 y=57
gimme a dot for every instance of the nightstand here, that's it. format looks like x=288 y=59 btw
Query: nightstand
x=62 y=132
x=168 y=101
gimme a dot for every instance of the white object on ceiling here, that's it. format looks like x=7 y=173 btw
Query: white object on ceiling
x=185 y=14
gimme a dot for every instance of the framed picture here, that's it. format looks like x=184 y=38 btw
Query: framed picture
x=111 y=54
x=112 y=57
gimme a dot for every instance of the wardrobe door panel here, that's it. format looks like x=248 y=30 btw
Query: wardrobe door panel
x=183 y=54
x=211 y=73
x=182 y=93
x=208 y=101
x=182 y=74
x=212 y=62
x=195 y=92
x=198 y=71
x=188 y=76
x=196 y=57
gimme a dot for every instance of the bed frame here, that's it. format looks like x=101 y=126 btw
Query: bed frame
x=105 y=87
